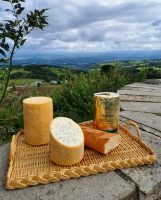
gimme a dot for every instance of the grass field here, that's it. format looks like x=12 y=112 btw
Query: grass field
x=23 y=82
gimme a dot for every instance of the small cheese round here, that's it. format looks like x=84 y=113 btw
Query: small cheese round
x=38 y=114
x=67 y=142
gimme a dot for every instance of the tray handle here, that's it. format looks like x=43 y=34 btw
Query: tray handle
x=130 y=122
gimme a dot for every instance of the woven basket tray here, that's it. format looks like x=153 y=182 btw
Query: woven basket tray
x=30 y=165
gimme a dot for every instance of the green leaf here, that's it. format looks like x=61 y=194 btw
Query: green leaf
x=45 y=22
x=15 y=1
x=17 y=46
x=40 y=27
x=22 y=42
x=19 y=11
x=3 y=40
x=3 y=60
x=2 y=29
x=2 y=52
x=43 y=10
x=26 y=28
x=6 y=0
x=5 y=47
x=1 y=36
x=10 y=22
x=7 y=27
x=17 y=6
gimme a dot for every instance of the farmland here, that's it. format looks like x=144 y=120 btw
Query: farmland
x=71 y=90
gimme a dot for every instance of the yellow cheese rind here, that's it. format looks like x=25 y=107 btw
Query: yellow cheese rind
x=62 y=154
x=38 y=114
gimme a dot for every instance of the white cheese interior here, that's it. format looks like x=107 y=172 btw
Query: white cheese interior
x=106 y=94
x=66 y=131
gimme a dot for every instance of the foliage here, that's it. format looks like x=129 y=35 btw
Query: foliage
x=10 y=116
x=17 y=75
x=15 y=30
x=107 y=69
x=153 y=73
x=72 y=99
x=75 y=98
x=43 y=72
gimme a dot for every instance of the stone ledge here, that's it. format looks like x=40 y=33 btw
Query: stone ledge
x=147 y=119
x=140 y=100
x=147 y=179
x=145 y=107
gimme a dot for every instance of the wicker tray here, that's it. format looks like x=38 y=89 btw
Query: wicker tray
x=31 y=165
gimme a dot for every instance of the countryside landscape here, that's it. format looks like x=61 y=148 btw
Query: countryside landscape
x=71 y=88
x=67 y=69
x=59 y=140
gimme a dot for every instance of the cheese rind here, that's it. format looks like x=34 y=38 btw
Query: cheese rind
x=106 y=111
x=67 y=142
x=38 y=114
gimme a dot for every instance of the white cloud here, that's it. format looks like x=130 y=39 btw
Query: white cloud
x=97 y=24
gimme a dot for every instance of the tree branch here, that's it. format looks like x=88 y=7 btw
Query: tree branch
x=9 y=73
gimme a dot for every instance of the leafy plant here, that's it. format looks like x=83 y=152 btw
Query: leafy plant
x=75 y=98
x=15 y=31
x=72 y=99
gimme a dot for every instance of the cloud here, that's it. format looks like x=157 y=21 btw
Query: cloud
x=96 y=25
x=156 y=23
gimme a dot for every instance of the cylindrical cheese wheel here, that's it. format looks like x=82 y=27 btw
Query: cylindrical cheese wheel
x=106 y=107
x=38 y=114
x=67 y=142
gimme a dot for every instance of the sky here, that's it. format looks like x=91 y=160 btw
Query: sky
x=95 y=25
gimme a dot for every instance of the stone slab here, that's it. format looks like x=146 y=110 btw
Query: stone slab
x=140 y=93
x=142 y=107
x=153 y=81
x=143 y=89
x=154 y=142
x=96 y=187
x=144 y=85
x=147 y=179
x=143 y=127
x=147 y=119
x=137 y=98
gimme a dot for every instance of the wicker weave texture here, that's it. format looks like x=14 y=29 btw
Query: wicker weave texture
x=31 y=165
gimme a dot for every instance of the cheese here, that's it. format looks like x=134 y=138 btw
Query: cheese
x=38 y=114
x=106 y=109
x=67 y=142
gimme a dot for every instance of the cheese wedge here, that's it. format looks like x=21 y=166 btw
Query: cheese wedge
x=38 y=114
x=67 y=142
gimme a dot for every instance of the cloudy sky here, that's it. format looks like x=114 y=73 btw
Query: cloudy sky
x=95 y=25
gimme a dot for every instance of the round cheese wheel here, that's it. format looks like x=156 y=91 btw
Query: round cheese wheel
x=67 y=142
x=38 y=114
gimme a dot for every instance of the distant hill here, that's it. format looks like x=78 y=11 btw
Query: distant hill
x=84 y=60
x=42 y=72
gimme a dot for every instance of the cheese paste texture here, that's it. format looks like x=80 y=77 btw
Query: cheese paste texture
x=67 y=141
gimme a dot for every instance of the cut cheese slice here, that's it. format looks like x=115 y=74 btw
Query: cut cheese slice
x=67 y=142
x=38 y=114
